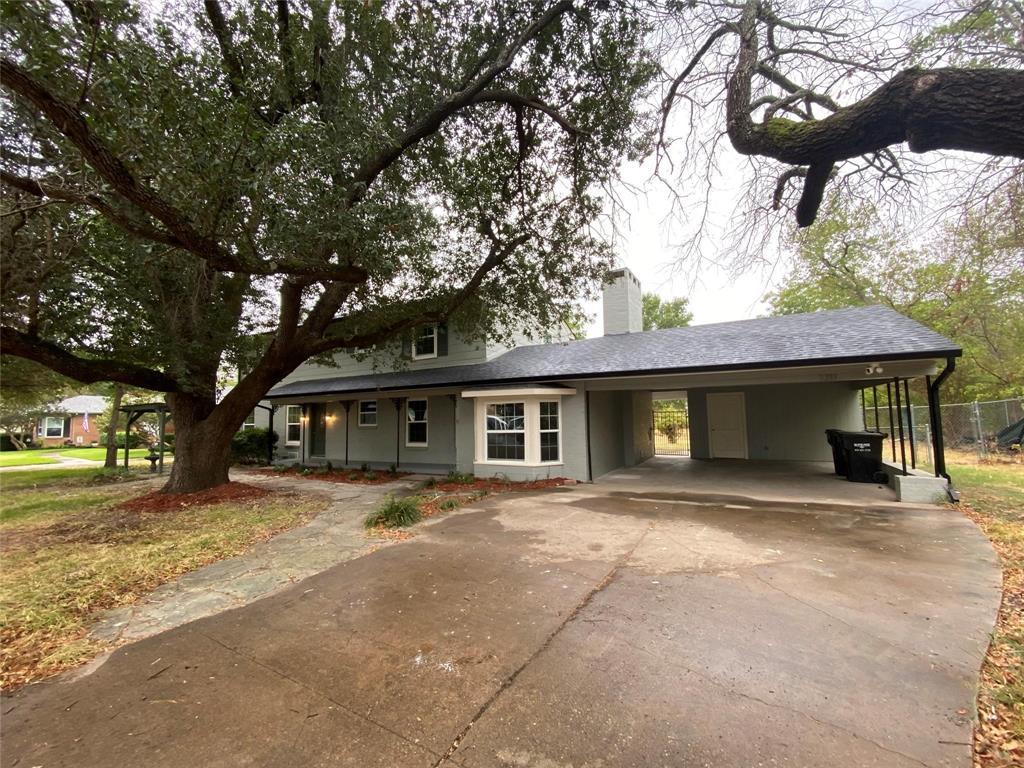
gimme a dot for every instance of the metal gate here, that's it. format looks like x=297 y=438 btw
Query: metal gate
x=671 y=433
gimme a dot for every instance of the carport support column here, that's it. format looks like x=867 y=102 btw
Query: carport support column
x=935 y=417
x=899 y=416
x=347 y=405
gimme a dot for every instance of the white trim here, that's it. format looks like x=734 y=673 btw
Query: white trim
x=522 y=392
x=531 y=425
x=46 y=427
x=359 y=414
x=422 y=334
x=425 y=422
x=558 y=431
x=290 y=423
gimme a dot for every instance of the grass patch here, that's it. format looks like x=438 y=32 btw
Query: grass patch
x=100 y=454
x=24 y=458
x=395 y=513
x=71 y=548
x=993 y=496
x=67 y=476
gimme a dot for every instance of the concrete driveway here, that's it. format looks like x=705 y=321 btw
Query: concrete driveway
x=597 y=625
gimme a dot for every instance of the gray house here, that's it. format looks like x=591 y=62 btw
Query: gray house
x=756 y=389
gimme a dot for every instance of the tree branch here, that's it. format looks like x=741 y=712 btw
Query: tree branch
x=516 y=100
x=40 y=189
x=86 y=370
x=72 y=124
x=373 y=166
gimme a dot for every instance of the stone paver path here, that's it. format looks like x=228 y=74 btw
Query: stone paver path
x=332 y=537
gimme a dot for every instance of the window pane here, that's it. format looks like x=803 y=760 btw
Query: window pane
x=425 y=343
x=549 y=446
x=549 y=415
x=506 y=417
x=505 y=445
x=416 y=429
x=294 y=433
x=418 y=432
x=417 y=410
x=368 y=413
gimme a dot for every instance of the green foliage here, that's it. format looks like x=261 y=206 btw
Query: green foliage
x=250 y=446
x=665 y=313
x=965 y=281
x=395 y=513
x=459 y=477
x=449 y=504
x=290 y=163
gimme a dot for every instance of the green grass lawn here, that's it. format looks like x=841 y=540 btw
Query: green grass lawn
x=23 y=458
x=993 y=496
x=69 y=551
x=100 y=454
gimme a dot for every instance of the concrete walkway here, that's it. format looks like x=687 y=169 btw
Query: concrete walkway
x=333 y=536
x=591 y=626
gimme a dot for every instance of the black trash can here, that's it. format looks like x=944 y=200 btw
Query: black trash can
x=838 y=455
x=862 y=452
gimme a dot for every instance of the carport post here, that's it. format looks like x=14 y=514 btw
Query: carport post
x=903 y=447
x=892 y=433
x=863 y=409
x=910 y=423
x=935 y=414
x=398 y=428
x=874 y=394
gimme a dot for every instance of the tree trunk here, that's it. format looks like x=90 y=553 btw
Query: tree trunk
x=201 y=459
x=115 y=409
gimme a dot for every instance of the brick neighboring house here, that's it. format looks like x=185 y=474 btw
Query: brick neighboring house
x=73 y=422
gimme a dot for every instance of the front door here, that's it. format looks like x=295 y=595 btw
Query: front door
x=318 y=429
x=727 y=425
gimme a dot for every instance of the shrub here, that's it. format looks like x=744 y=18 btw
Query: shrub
x=250 y=445
x=460 y=477
x=134 y=441
x=364 y=467
x=671 y=431
x=395 y=513
x=369 y=476
x=449 y=504
x=393 y=469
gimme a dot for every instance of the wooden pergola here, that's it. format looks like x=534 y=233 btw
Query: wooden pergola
x=135 y=411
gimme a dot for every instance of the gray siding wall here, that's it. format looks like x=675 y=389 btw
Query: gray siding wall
x=607 y=436
x=785 y=422
x=376 y=445
x=460 y=352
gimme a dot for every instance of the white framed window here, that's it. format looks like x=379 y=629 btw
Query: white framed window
x=424 y=342
x=550 y=432
x=416 y=424
x=53 y=426
x=518 y=426
x=250 y=420
x=506 y=431
x=367 y=413
x=293 y=425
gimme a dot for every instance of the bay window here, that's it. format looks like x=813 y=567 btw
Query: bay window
x=549 y=431
x=506 y=431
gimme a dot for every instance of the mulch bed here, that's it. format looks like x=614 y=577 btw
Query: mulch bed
x=494 y=485
x=345 y=476
x=168 y=502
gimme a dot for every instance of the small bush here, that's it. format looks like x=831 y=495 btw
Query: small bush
x=354 y=476
x=430 y=482
x=393 y=469
x=449 y=504
x=250 y=445
x=460 y=477
x=395 y=513
x=364 y=467
x=369 y=476
x=329 y=467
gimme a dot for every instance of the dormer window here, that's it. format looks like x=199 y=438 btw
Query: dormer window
x=424 y=343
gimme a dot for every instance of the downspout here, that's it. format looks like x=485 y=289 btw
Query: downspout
x=935 y=415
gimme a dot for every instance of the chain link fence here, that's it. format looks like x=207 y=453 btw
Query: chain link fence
x=969 y=430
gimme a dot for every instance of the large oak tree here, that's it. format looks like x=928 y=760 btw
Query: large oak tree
x=198 y=185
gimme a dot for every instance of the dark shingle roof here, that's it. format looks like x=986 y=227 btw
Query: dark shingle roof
x=858 y=334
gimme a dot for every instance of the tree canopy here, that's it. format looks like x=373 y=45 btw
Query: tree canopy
x=965 y=281
x=188 y=186
x=665 y=313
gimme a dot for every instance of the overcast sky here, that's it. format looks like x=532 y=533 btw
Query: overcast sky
x=648 y=243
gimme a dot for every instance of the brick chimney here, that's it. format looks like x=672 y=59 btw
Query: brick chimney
x=623 y=304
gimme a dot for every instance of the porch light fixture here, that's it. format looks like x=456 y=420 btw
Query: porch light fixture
x=874 y=369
